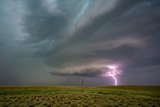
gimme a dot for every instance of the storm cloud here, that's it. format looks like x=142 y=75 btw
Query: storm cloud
x=56 y=39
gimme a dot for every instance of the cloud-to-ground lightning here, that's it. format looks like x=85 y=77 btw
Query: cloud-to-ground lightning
x=113 y=71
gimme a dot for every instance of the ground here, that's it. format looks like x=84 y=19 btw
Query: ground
x=74 y=96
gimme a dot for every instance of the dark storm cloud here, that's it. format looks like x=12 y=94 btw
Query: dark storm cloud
x=134 y=23
x=88 y=72
x=41 y=24
x=78 y=37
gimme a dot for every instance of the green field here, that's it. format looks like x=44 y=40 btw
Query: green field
x=72 y=96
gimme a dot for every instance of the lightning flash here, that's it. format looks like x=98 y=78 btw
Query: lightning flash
x=113 y=71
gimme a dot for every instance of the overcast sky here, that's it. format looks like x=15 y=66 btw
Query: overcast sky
x=61 y=42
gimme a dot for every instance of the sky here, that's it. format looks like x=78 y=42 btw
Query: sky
x=62 y=42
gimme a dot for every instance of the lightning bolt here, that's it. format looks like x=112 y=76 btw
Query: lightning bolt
x=113 y=76
x=112 y=72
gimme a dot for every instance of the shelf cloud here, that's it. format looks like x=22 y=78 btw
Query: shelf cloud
x=59 y=38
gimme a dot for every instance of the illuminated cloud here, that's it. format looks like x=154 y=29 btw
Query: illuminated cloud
x=42 y=38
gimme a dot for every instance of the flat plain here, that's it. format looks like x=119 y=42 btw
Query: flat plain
x=78 y=96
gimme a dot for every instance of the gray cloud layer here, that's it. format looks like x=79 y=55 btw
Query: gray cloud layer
x=66 y=37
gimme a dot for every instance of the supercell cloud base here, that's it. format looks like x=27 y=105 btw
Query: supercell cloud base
x=61 y=42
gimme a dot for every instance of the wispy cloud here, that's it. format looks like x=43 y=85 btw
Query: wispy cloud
x=72 y=37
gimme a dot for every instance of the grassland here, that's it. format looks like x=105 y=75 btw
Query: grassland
x=72 y=96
